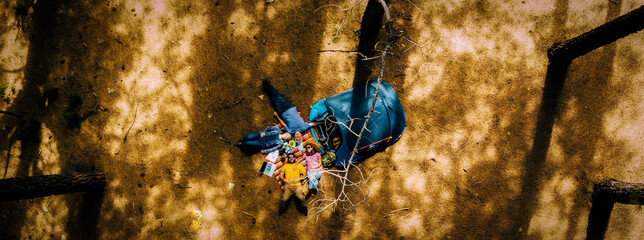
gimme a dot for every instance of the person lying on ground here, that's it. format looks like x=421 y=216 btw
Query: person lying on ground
x=292 y=174
x=268 y=140
x=296 y=142
x=312 y=157
x=285 y=112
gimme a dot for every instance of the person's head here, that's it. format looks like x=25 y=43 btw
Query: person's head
x=290 y=158
x=311 y=146
x=285 y=136
x=297 y=136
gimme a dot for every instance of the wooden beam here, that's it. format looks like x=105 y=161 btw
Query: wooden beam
x=620 y=192
x=605 y=195
x=12 y=189
x=607 y=33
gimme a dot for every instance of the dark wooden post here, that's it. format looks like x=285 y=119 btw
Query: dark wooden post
x=607 y=33
x=605 y=195
x=561 y=55
x=621 y=192
x=12 y=189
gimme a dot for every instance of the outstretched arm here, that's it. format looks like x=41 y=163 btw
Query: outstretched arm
x=313 y=124
x=299 y=161
x=279 y=119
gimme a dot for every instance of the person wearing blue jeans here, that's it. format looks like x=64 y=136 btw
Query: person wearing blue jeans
x=285 y=111
x=268 y=140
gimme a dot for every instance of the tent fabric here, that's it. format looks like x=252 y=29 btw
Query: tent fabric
x=318 y=111
x=350 y=108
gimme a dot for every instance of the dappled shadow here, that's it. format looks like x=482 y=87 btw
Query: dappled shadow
x=55 y=45
x=25 y=130
x=471 y=113
x=173 y=84
x=469 y=116
x=147 y=101
x=275 y=41
x=522 y=208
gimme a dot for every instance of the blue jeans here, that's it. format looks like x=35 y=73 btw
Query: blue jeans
x=286 y=110
x=251 y=140
x=277 y=100
x=270 y=138
x=314 y=178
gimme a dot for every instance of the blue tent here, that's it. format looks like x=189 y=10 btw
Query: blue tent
x=349 y=110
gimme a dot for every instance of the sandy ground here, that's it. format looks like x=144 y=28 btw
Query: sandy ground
x=166 y=86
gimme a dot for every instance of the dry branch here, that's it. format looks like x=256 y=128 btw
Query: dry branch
x=344 y=10
x=343 y=199
x=136 y=111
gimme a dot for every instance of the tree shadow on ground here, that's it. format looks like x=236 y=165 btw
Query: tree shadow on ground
x=586 y=99
x=28 y=103
x=480 y=117
x=56 y=52
x=180 y=82
x=227 y=105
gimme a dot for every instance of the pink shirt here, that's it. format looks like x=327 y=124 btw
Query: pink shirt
x=313 y=160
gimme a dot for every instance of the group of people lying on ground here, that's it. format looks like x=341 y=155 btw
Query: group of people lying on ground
x=298 y=180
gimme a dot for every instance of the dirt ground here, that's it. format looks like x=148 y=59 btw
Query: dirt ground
x=166 y=86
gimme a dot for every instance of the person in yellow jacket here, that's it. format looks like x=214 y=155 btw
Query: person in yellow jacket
x=292 y=174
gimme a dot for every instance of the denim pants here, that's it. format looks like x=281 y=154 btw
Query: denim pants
x=277 y=100
x=314 y=178
x=256 y=140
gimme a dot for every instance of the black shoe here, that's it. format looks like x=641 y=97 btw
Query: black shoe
x=304 y=211
x=282 y=208
x=267 y=86
x=301 y=207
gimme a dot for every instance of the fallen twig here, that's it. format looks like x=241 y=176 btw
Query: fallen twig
x=422 y=53
x=237 y=102
x=11 y=114
x=343 y=10
x=224 y=140
x=364 y=57
x=227 y=106
x=343 y=51
x=464 y=144
x=249 y=214
x=395 y=211
x=413 y=4
x=136 y=111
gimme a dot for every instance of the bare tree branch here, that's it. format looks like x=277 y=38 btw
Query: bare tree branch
x=343 y=200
